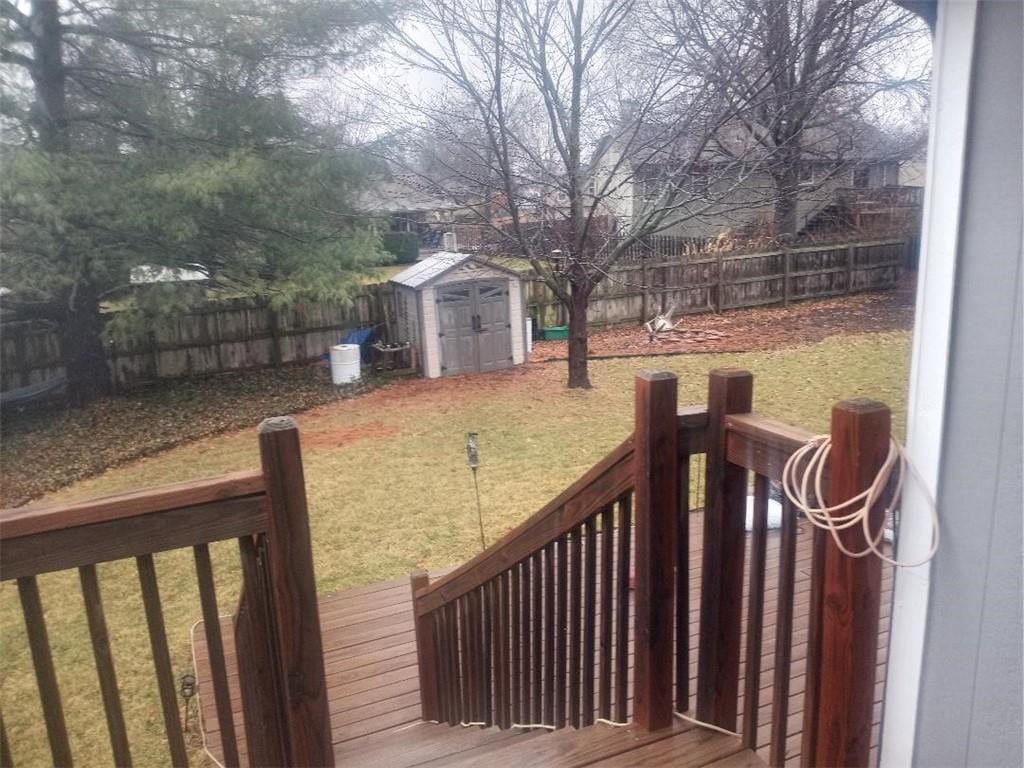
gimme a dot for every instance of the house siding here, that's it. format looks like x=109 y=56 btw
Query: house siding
x=970 y=711
x=740 y=205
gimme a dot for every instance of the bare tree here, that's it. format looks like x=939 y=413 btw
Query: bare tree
x=546 y=117
x=805 y=71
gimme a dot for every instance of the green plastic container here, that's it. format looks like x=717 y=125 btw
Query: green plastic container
x=556 y=333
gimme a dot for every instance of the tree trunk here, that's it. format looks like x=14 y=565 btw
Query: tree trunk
x=786 y=189
x=85 y=360
x=48 y=76
x=579 y=377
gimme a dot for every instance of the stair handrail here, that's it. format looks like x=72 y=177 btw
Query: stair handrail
x=604 y=482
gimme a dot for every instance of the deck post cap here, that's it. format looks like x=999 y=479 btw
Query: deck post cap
x=656 y=375
x=277 y=424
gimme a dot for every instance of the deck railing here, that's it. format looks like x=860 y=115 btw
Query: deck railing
x=536 y=626
x=277 y=628
x=842 y=628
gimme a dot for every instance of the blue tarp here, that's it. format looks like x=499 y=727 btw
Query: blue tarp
x=362 y=338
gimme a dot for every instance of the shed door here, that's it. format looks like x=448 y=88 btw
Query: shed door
x=456 y=323
x=494 y=340
x=473 y=322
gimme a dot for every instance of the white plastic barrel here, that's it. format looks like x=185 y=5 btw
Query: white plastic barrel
x=345 y=363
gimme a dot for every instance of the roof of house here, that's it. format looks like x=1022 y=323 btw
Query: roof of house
x=404 y=192
x=432 y=267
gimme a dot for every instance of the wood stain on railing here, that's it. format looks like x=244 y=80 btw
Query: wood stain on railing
x=277 y=619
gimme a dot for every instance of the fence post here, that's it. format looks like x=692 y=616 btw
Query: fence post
x=785 y=276
x=645 y=298
x=655 y=440
x=837 y=725
x=293 y=596
x=719 y=279
x=718 y=673
x=426 y=650
x=850 y=253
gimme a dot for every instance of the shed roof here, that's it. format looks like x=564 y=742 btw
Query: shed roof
x=429 y=269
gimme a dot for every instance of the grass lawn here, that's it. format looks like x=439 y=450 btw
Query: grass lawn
x=389 y=491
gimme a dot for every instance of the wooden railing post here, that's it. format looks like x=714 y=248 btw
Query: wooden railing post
x=426 y=650
x=837 y=725
x=721 y=604
x=293 y=594
x=656 y=438
x=258 y=670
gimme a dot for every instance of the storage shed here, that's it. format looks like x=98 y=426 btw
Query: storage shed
x=462 y=313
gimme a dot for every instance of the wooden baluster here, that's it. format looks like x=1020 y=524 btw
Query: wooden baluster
x=755 y=612
x=161 y=660
x=721 y=605
x=487 y=600
x=528 y=633
x=215 y=647
x=515 y=660
x=452 y=627
x=562 y=579
x=784 y=638
x=258 y=670
x=589 y=620
x=426 y=650
x=538 y=638
x=550 y=625
x=104 y=665
x=466 y=659
x=604 y=693
x=501 y=650
x=682 y=650
x=443 y=688
x=476 y=656
x=850 y=600
x=296 y=608
x=575 y=621
x=622 y=608
x=42 y=663
x=655 y=466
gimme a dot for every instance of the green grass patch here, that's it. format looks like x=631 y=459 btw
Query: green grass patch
x=389 y=491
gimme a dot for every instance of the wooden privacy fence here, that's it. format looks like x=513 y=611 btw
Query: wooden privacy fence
x=226 y=336
x=241 y=334
x=701 y=281
x=283 y=704
x=545 y=628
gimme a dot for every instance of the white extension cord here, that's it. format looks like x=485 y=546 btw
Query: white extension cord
x=797 y=484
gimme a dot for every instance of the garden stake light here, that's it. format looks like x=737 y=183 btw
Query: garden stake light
x=473 y=459
x=188 y=690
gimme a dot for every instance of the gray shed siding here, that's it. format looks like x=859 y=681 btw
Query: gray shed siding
x=971 y=685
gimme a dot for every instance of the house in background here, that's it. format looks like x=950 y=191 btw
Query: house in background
x=730 y=191
x=406 y=204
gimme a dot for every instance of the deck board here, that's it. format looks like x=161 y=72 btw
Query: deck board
x=373 y=688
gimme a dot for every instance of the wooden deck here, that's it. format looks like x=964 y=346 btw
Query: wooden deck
x=373 y=689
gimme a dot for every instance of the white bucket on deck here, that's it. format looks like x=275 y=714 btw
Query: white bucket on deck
x=345 y=363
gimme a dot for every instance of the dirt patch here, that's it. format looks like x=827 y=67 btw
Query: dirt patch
x=338 y=438
x=46 y=448
x=747 y=330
